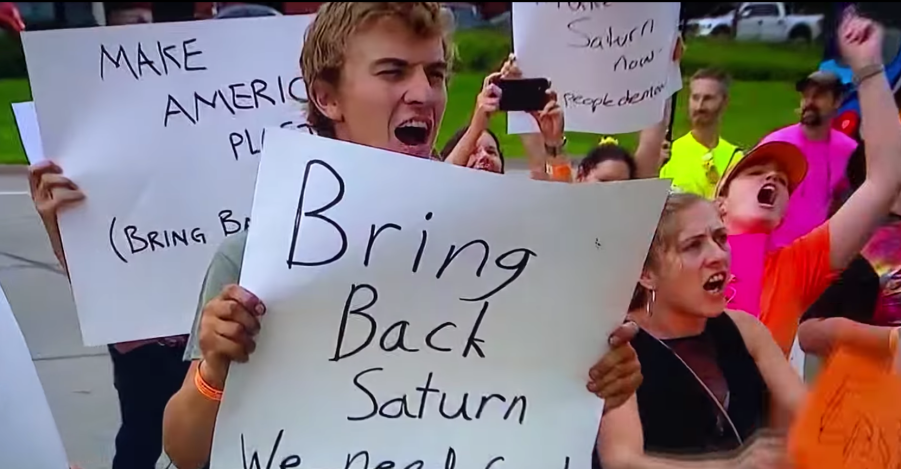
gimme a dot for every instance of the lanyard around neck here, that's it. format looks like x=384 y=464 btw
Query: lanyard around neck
x=710 y=394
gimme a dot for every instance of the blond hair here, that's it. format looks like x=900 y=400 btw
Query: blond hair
x=325 y=43
x=665 y=239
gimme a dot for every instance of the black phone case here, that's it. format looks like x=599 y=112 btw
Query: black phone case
x=523 y=95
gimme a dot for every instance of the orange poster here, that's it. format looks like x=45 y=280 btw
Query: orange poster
x=852 y=418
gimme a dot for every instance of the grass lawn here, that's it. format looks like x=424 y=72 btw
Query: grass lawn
x=756 y=109
x=11 y=91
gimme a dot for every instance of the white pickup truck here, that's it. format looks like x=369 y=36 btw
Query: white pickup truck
x=760 y=21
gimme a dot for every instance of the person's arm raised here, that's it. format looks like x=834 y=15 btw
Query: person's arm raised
x=852 y=225
x=487 y=103
x=550 y=128
x=649 y=154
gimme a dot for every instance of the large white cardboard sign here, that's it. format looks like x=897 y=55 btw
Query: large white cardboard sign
x=161 y=126
x=28 y=432
x=426 y=315
x=609 y=62
x=29 y=133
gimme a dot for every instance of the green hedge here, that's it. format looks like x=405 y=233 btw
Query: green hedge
x=12 y=59
x=484 y=50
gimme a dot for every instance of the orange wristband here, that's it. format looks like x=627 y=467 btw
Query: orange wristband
x=560 y=172
x=204 y=388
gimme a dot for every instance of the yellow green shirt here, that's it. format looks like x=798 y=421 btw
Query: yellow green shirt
x=695 y=168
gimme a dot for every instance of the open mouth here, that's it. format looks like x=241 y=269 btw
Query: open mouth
x=413 y=132
x=716 y=283
x=767 y=195
x=484 y=164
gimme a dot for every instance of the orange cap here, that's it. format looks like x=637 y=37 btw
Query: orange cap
x=786 y=155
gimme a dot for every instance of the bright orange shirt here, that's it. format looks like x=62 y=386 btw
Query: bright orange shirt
x=794 y=277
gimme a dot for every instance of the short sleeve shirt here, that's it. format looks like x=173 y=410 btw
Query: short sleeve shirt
x=697 y=169
x=794 y=278
x=824 y=183
x=224 y=270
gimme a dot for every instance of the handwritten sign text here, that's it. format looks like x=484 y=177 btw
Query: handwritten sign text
x=425 y=331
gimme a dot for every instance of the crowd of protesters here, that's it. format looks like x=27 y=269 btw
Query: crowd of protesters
x=755 y=247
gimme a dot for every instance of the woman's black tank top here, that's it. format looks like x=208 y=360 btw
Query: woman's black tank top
x=678 y=416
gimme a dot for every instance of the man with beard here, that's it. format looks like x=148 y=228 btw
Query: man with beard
x=701 y=156
x=827 y=151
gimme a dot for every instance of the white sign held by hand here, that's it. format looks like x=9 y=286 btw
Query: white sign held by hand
x=28 y=432
x=161 y=126
x=29 y=133
x=611 y=64
x=449 y=321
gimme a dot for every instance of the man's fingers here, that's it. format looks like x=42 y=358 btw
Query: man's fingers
x=604 y=366
x=44 y=167
x=37 y=171
x=614 y=365
x=608 y=383
x=237 y=314
x=68 y=195
x=623 y=334
x=490 y=79
x=612 y=359
x=510 y=68
x=245 y=298
x=65 y=197
x=232 y=331
x=493 y=91
x=56 y=180
x=233 y=340
x=509 y=63
x=621 y=389
x=60 y=199
x=550 y=104
x=230 y=349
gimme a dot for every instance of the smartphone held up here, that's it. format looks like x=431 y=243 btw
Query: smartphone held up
x=526 y=94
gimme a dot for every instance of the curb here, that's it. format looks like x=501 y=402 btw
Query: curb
x=13 y=169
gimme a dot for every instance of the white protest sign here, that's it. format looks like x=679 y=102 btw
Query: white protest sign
x=29 y=132
x=797 y=357
x=28 y=432
x=449 y=320
x=161 y=126
x=610 y=63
